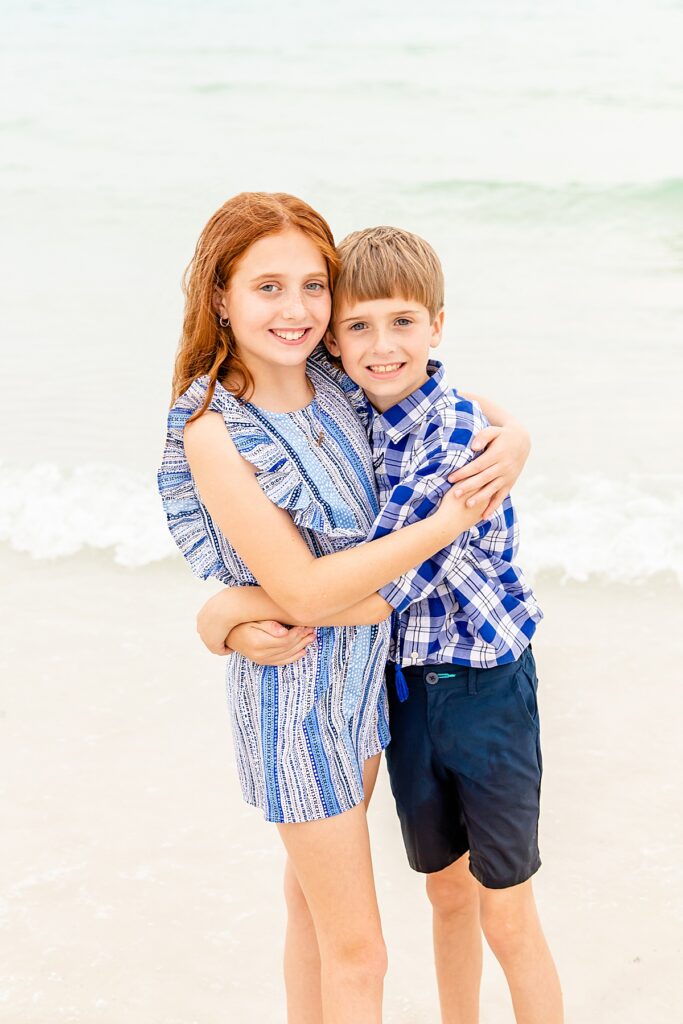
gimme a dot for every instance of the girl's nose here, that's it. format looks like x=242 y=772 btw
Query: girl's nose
x=294 y=308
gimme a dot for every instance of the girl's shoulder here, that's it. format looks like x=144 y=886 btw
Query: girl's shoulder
x=222 y=401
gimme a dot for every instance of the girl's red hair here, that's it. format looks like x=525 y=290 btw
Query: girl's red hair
x=205 y=346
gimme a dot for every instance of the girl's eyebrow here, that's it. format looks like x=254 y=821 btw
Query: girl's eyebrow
x=280 y=273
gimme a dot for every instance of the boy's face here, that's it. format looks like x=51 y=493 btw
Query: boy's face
x=384 y=346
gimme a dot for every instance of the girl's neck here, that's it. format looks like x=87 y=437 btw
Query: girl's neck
x=278 y=388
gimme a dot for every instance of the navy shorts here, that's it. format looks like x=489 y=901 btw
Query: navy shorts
x=465 y=768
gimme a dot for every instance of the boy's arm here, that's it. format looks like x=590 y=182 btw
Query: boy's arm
x=506 y=445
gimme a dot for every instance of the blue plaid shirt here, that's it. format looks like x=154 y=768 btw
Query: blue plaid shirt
x=469 y=604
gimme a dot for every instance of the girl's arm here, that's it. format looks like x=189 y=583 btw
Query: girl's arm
x=303 y=586
x=252 y=606
x=506 y=445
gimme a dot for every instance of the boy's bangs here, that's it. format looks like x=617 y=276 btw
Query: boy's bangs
x=383 y=263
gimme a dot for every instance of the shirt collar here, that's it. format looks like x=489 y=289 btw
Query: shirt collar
x=400 y=419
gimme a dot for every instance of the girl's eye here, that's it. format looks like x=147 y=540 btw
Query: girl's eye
x=403 y=321
x=357 y=327
x=315 y=286
x=268 y=288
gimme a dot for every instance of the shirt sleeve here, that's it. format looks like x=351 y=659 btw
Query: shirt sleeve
x=417 y=496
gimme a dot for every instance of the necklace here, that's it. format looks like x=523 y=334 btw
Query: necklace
x=314 y=407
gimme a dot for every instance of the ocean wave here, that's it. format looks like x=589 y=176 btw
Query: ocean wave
x=520 y=200
x=622 y=530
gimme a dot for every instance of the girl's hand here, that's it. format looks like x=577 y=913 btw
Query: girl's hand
x=271 y=643
x=457 y=515
x=492 y=476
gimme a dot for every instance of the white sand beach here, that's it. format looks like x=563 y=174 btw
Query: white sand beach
x=138 y=888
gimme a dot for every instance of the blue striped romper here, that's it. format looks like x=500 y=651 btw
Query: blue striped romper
x=301 y=732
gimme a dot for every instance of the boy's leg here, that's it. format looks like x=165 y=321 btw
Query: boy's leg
x=454 y=895
x=495 y=756
x=302 y=956
x=513 y=931
x=436 y=842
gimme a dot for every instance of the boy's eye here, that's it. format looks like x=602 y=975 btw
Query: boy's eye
x=357 y=327
x=403 y=321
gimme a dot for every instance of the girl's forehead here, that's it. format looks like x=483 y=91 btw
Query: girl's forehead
x=283 y=251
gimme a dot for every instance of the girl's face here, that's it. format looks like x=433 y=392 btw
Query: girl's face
x=278 y=300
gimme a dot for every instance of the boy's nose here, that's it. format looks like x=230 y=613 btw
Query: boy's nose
x=384 y=342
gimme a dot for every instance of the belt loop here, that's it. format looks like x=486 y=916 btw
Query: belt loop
x=472 y=682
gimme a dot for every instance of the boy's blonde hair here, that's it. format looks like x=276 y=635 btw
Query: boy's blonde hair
x=383 y=262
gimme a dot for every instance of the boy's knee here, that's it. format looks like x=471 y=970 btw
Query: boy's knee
x=508 y=920
x=453 y=891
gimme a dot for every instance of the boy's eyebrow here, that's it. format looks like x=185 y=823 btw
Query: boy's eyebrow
x=396 y=312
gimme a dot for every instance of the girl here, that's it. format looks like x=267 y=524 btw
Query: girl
x=267 y=478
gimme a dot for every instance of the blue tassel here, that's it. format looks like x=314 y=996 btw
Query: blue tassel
x=401 y=684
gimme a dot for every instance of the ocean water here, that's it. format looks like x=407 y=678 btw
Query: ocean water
x=537 y=145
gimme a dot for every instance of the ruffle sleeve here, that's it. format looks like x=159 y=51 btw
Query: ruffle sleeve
x=199 y=539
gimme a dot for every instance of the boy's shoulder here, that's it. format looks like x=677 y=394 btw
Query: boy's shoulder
x=451 y=420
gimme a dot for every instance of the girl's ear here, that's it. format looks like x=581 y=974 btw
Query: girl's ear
x=219 y=307
x=331 y=344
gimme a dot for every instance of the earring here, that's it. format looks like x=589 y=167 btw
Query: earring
x=224 y=321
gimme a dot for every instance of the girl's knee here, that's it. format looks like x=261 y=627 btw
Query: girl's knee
x=358 y=958
x=294 y=895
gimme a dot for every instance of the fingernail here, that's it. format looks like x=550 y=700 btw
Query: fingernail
x=458 y=492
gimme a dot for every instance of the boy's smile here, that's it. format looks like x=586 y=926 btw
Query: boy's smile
x=384 y=346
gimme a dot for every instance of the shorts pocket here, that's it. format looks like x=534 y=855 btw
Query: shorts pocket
x=524 y=688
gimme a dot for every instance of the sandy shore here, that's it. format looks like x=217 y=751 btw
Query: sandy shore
x=137 y=888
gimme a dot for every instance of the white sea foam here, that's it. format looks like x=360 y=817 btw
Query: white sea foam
x=591 y=527
x=50 y=513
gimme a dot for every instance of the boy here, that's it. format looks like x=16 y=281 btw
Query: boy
x=464 y=760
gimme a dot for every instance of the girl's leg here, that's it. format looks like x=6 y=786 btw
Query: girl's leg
x=302 y=956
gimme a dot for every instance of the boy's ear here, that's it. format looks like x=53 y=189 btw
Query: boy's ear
x=331 y=344
x=437 y=330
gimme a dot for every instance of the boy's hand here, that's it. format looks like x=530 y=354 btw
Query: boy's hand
x=271 y=643
x=492 y=476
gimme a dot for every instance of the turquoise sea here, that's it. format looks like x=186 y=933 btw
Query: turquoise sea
x=537 y=145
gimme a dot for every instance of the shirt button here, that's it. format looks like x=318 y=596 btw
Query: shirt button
x=431 y=678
